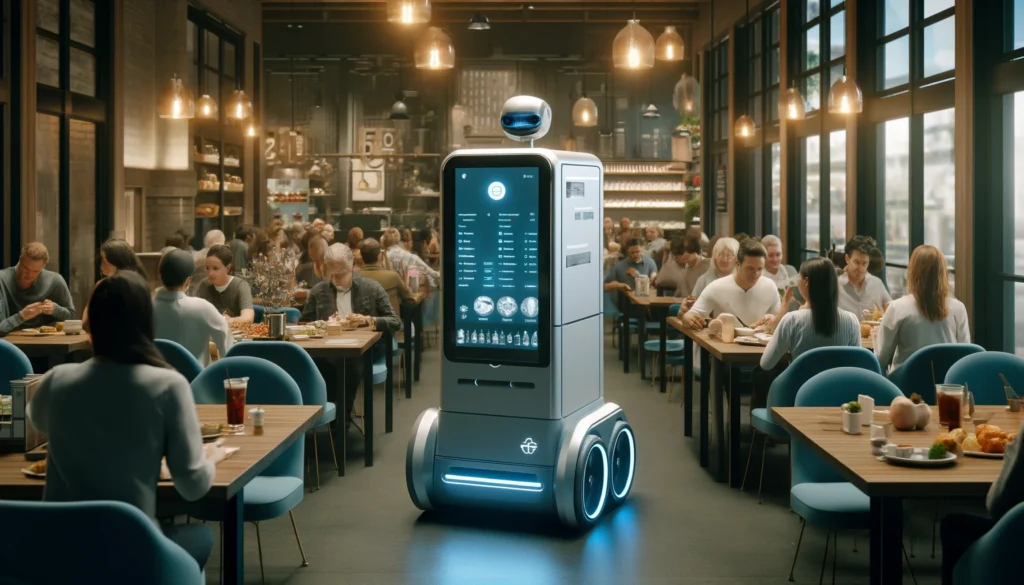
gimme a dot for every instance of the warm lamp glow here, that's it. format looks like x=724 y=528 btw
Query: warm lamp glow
x=845 y=97
x=584 y=113
x=240 y=108
x=745 y=127
x=207 y=107
x=633 y=47
x=434 y=50
x=669 y=46
x=792 y=105
x=176 y=101
x=409 y=11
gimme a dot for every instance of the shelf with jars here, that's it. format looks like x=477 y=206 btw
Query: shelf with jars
x=220 y=188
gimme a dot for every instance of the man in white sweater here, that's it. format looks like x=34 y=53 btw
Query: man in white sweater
x=747 y=294
x=191 y=321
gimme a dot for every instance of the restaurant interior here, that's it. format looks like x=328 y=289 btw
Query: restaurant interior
x=285 y=180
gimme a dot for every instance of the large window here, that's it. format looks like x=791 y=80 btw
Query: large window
x=716 y=217
x=72 y=194
x=822 y=26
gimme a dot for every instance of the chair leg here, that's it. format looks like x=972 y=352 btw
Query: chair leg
x=750 y=453
x=908 y=565
x=334 y=454
x=316 y=459
x=912 y=555
x=803 y=524
x=760 y=480
x=305 y=563
x=259 y=549
x=855 y=543
x=935 y=522
x=835 y=540
x=821 y=578
x=309 y=475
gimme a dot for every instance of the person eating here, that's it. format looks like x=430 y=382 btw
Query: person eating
x=928 y=314
x=687 y=259
x=655 y=238
x=723 y=263
x=191 y=321
x=746 y=294
x=783 y=275
x=622 y=276
x=32 y=295
x=859 y=290
x=231 y=296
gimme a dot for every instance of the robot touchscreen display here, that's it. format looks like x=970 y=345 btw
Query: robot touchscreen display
x=497 y=297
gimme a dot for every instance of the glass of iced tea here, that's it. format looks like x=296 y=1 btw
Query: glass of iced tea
x=951 y=405
x=234 y=398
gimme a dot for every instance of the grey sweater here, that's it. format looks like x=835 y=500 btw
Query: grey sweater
x=49 y=285
x=108 y=426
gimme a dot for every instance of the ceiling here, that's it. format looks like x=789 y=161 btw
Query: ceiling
x=451 y=12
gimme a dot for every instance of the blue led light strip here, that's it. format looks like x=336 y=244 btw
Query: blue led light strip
x=489 y=482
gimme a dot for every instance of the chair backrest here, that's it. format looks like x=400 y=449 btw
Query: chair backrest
x=832 y=388
x=258 y=311
x=674 y=310
x=179 y=358
x=268 y=384
x=928 y=366
x=611 y=306
x=811 y=363
x=980 y=372
x=294 y=360
x=14 y=365
x=131 y=549
x=990 y=559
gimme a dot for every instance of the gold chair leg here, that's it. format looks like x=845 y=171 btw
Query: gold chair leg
x=750 y=454
x=803 y=524
x=316 y=459
x=760 y=481
x=259 y=549
x=305 y=563
x=334 y=454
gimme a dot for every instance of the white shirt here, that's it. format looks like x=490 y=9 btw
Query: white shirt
x=725 y=296
x=710 y=275
x=191 y=321
x=796 y=334
x=872 y=294
x=221 y=289
x=786 y=276
x=905 y=330
x=344 y=301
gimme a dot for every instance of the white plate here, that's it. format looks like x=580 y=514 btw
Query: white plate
x=920 y=459
x=33 y=474
x=750 y=341
x=342 y=342
x=981 y=455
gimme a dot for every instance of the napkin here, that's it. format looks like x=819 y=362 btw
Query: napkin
x=165 y=473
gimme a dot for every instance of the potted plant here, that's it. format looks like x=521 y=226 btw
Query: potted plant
x=272 y=280
x=851 y=418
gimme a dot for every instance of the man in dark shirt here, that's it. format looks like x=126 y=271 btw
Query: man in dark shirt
x=30 y=295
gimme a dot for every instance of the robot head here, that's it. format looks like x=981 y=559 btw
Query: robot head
x=525 y=118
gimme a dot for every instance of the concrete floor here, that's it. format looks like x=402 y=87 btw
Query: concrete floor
x=677 y=527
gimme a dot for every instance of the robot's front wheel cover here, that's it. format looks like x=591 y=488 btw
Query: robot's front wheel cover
x=591 y=481
x=419 y=459
x=622 y=460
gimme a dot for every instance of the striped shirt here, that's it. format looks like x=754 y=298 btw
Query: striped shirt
x=796 y=334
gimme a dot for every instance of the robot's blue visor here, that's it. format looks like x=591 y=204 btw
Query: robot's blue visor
x=520 y=121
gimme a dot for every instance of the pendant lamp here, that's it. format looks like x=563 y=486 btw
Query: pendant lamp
x=845 y=97
x=409 y=11
x=434 y=50
x=745 y=127
x=250 y=130
x=479 y=22
x=669 y=46
x=584 y=111
x=792 y=105
x=633 y=47
x=239 y=108
x=176 y=101
x=206 y=107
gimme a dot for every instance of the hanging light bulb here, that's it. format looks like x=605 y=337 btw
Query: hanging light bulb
x=845 y=97
x=745 y=127
x=176 y=101
x=792 y=105
x=250 y=131
x=206 y=107
x=409 y=11
x=584 y=112
x=434 y=50
x=633 y=47
x=669 y=46
x=240 y=108
x=399 y=109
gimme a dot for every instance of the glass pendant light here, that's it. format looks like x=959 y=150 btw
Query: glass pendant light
x=479 y=22
x=240 y=108
x=409 y=11
x=206 y=107
x=745 y=127
x=633 y=47
x=792 y=105
x=845 y=97
x=686 y=96
x=434 y=50
x=669 y=46
x=176 y=101
x=250 y=130
x=584 y=112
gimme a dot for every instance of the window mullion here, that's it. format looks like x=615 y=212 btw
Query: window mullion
x=916 y=199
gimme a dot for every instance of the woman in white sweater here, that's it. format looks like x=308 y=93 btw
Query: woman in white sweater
x=928 y=314
x=819 y=322
x=110 y=420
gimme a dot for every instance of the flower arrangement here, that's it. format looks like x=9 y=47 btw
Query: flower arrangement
x=272 y=279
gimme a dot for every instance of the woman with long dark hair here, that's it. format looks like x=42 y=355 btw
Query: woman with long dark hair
x=926 y=315
x=819 y=322
x=141 y=400
x=117 y=255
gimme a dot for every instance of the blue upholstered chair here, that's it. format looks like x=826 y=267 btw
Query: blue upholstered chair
x=818 y=493
x=980 y=373
x=14 y=365
x=277 y=490
x=991 y=558
x=928 y=366
x=98 y=541
x=291 y=314
x=611 y=311
x=180 y=359
x=294 y=360
x=784 y=388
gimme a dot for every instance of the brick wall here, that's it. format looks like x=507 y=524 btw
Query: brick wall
x=163 y=216
x=140 y=93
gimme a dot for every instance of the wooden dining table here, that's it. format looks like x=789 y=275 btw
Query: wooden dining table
x=54 y=348
x=720 y=440
x=258 y=448
x=887 y=485
x=658 y=307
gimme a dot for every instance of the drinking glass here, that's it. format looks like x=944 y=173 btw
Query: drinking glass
x=951 y=405
x=234 y=398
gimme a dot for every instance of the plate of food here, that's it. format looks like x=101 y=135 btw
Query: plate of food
x=986 y=442
x=935 y=456
x=752 y=340
x=36 y=470
x=210 y=431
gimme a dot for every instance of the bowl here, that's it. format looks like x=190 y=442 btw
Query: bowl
x=72 y=327
x=744 y=332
